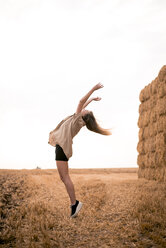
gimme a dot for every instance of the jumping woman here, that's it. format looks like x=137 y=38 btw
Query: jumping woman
x=61 y=138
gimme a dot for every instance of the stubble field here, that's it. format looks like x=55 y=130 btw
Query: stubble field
x=119 y=210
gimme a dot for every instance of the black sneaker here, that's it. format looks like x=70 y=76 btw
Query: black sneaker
x=75 y=208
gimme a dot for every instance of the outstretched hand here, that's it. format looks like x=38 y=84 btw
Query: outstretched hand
x=97 y=98
x=98 y=86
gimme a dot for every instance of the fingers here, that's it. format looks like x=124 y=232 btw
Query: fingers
x=97 y=98
x=100 y=85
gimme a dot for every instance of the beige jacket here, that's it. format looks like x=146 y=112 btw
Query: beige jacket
x=65 y=132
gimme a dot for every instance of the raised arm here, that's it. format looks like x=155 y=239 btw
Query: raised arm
x=90 y=100
x=83 y=101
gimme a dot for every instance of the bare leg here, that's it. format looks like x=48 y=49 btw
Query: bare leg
x=62 y=167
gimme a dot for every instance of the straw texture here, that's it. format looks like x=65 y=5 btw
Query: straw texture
x=152 y=129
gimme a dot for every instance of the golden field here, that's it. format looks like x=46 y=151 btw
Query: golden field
x=119 y=210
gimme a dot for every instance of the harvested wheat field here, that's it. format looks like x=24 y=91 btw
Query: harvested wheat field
x=119 y=209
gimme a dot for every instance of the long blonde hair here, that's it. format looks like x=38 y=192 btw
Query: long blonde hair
x=92 y=124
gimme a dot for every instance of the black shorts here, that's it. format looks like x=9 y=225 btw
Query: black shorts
x=60 y=155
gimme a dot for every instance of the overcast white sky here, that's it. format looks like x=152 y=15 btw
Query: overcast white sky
x=52 y=52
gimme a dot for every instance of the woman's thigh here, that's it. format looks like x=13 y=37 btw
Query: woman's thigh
x=62 y=167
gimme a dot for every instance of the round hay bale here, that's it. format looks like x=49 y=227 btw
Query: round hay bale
x=143 y=119
x=141 y=96
x=153 y=115
x=150 y=145
x=148 y=173
x=152 y=174
x=161 y=89
x=152 y=129
x=141 y=173
x=161 y=105
x=154 y=86
x=153 y=101
x=140 y=147
x=142 y=107
x=160 y=157
x=161 y=123
x=141 y=160
x=151 y=160
x=148 y=104
x=146 y=132
x=160 y=174
x=162 y=73
x=141 y=134
x=161 y=139
x=145 y=93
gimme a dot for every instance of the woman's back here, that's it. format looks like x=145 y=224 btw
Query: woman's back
x=65 y=132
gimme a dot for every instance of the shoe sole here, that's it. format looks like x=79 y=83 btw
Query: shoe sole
x=77 y=210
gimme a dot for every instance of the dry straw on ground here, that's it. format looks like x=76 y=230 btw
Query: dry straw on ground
x=116 y=213
x=152 y=133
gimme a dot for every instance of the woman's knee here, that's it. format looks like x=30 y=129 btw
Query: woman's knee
x=63 y=177
x=62 y=169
